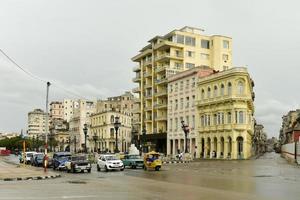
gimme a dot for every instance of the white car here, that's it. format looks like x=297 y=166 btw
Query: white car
x=28 y=156
x=109 y=162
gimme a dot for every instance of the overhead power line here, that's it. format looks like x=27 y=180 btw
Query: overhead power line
x=40 y=79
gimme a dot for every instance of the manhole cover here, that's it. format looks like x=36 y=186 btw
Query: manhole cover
x=77 y=182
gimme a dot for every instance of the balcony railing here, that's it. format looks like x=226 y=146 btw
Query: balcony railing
x=161 y=118
x=160 y=105
x=160 y=81
x=147 y=74
x=161 y=93
x=136 y=69
x=136 y=79
x=136 y=90
x=169 y=55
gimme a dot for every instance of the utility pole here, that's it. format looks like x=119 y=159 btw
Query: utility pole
x=47 y=127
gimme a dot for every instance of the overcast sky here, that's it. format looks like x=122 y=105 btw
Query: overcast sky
x=86 y=46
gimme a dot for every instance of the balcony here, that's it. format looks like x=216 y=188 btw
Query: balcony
x=147 y=62
x=160 y=106
x=161 y=68
x=147 y=74
x=167 y=44
x=148 y=85
x=148 y=119
x=136 y=90
x=136 y=69
x=148 y=108
x=167 y=56
x=148 y=96
x=161 y=118
x=137 y=79
x=161 y=93
x=161 y=81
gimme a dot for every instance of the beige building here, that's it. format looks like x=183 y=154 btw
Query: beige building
x=82 y=110
x=102 y=126
x=102 y=122
x=56 y=110
x=225 y=109
x=166 y=55
x=36 y=123
x=59 y=139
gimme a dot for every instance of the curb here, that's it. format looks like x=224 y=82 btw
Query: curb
x=176 y=162
x=32 y=178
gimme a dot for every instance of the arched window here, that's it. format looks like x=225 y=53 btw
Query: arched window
x=215 y=91
x=229 y=89
x=222 y=90
x=208 y=92
x=202 y=94
x=202 y=120
x=229 y=118
x=112 y=119
x=240 y=87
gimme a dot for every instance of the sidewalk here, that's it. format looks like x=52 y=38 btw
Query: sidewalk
x=13 y=172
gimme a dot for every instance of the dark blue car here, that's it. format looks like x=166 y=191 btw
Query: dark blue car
x=59 y=159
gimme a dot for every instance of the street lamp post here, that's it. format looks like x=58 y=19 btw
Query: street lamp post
x=85 y=129
x=186 y=130
x=144 y=140
x=95 y=138
x=117 y=125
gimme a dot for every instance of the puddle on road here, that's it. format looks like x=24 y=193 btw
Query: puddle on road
x=263 y=176
x=77 y=182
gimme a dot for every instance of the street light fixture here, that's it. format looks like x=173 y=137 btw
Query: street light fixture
x=95 y=138
x=186 y=130
x=85 y=129
x=117 y=125
x=144 y=139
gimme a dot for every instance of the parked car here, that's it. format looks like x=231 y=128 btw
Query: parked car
x=133 y=161
x=28 y=156
x=37 y=159
x=59 y=160
x=78 y=163
x=109 y=162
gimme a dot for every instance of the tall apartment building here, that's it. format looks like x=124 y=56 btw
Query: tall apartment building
x=68 y=105
x=102 y=122
x=82 y=110
x=166 y=55
x=36 y=123
x=181 y=107
x=224 y=119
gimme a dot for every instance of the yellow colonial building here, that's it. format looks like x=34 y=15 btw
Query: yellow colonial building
x=225 y=110
x=166 y=55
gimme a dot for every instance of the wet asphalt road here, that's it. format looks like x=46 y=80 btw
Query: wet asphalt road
x=269 y=177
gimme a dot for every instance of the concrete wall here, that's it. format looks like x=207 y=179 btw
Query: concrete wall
x=288 y=152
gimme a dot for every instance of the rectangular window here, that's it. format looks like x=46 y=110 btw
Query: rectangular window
x=204 y=56
x=176 y=104
x=176 y=124
x=190 y=54
x=171 y=88
x=190 y=41
x=225 y=57
x=193 y=121
x=187 y=85
x=225 y=44
x=205 y=44
x=187 y=102
x=180 y=39
x=193 y=100
x=181 y=103
x=189 y=65
x=193 y=82
x=181 y=85
x=171 y=124
x=178 y=65
x=176 y=87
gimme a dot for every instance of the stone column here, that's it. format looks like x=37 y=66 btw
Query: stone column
x=225 y=153
x=219 y=149
x=234 y=149
x=212 y=147
x=168 y=146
